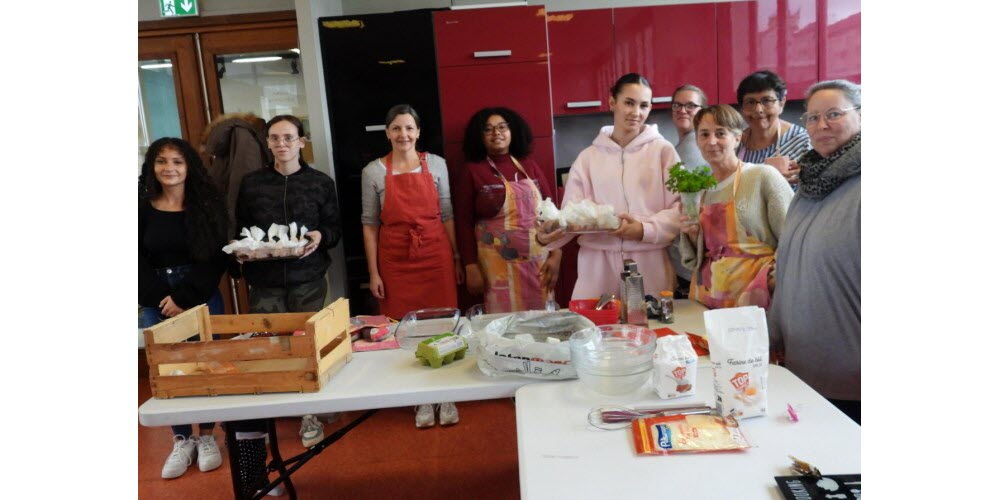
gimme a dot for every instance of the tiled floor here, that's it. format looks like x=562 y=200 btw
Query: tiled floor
x=384 y=457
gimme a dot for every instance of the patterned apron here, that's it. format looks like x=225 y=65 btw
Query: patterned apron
x=735 y=265
x=508 y=254
x=414 y=254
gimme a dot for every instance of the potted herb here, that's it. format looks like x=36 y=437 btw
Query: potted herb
x=691 y=185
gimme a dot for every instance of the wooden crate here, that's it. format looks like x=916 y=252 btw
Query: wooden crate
x=263 y=364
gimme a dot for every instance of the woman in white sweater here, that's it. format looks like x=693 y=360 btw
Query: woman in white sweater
x=730 y=249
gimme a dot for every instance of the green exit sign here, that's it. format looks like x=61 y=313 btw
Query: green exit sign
x=178 y=8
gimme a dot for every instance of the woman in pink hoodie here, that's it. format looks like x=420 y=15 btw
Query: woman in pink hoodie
x=626 y=166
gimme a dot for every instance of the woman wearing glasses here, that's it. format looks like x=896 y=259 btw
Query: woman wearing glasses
x=686 y=102
x=182 y=228
x=626 y=166
x=496 y=200
x=768 y=139
x=287 y=191
x=731 y=248
x=817 y=301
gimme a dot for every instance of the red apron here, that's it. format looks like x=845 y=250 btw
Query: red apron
x=415 y=257
x=735 y=265
x=508 y=252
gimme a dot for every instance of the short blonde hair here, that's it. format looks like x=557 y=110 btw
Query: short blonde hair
x=724 y=115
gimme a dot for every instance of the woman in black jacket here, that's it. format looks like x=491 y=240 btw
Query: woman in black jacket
x=182 y=229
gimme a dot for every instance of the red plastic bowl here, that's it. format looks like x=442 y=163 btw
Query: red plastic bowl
x=606 y=316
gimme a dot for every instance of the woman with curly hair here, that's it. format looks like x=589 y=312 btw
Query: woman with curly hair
x=496 y=199
x=182 y=229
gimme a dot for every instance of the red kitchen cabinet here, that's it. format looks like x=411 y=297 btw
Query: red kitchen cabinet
x=523 y=87
x=581 y=47
x=488 y=36
x=780 y=35
x=840 y=40
x=671 y=45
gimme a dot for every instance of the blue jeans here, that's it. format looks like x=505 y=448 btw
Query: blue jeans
x=149 y=316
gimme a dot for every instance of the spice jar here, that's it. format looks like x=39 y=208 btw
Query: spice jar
x=667 y=306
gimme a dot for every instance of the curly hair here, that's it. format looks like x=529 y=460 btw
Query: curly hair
x=204 y=210
x=520 y=134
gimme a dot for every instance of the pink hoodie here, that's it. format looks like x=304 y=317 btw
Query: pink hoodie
x=632 y=180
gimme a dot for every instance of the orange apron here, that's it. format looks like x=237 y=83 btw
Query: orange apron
x=510 y=257
x=735 y=265
x=414 y=254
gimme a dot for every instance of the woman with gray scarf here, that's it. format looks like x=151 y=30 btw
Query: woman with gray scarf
x=815 y=319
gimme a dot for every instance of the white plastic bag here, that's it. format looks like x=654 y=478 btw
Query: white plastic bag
x=738 y=348
x=522 y=344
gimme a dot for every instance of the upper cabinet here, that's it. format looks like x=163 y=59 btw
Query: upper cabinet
x=840 y=40
x=780 y=35
x=487 y=36
x=581 y=45
x=671 y=45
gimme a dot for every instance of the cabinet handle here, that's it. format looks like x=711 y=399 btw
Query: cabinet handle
x=491 y=53
x=583 y=104
x=374 y=128
x=658 y=100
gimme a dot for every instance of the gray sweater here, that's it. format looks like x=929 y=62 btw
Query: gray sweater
x=373 y=189
x=687 y=149
x=816 y=313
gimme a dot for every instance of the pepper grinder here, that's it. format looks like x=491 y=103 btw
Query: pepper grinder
x=633 y=311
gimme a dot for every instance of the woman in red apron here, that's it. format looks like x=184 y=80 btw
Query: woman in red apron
x=409 y=233
x=496 y=200
x=731 y=249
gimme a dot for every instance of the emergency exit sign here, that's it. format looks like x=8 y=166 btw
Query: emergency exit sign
x=178 y=8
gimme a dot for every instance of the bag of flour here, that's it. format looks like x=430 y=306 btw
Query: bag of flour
x=675 y=367
x=738 y=348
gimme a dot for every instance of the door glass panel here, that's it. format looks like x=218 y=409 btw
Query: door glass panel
x=158 y=115
x=266 y=84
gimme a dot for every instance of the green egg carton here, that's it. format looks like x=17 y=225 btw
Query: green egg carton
x=441 y=350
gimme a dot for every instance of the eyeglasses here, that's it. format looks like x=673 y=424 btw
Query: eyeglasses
x=276 y=140
x=690 y=106
x=499 y=128
x=767 y=102
x=831 y=115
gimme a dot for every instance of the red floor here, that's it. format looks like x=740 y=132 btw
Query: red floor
x=384 y=457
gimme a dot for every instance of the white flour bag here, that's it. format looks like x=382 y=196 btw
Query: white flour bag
x=675 y=367
x=738 y=348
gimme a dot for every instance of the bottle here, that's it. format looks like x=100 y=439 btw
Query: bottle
x=667 y=306
x=633 y=295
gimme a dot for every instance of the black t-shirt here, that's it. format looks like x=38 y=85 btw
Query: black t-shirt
x=164 y=239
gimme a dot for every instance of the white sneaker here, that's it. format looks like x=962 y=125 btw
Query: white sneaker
x=180 y=458
x=311 y=431
x=425 y=416
x=447 y=414
x=209 y=457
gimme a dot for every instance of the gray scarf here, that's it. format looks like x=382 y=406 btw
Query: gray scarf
x=820 y=176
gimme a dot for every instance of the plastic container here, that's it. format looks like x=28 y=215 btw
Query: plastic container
x=613 y=359
x=417 y=326
x=606 y=316
x=667 y=306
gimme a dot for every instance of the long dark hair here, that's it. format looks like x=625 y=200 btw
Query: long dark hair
x=204 y=211
x=294 y=120
x=520 y=134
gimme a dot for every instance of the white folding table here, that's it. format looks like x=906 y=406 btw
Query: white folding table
x=561 y=456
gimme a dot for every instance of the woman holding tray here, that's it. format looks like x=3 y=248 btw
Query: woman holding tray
x=286 y=191
x=409 y=232
x=182 y=228
x=626 y=166
x=730 y=250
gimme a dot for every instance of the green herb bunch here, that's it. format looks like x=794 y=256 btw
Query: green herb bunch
x=683 y=180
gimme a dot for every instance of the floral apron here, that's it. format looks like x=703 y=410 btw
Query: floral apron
x=735 y=265
x=510 y=257
x=414 y=253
